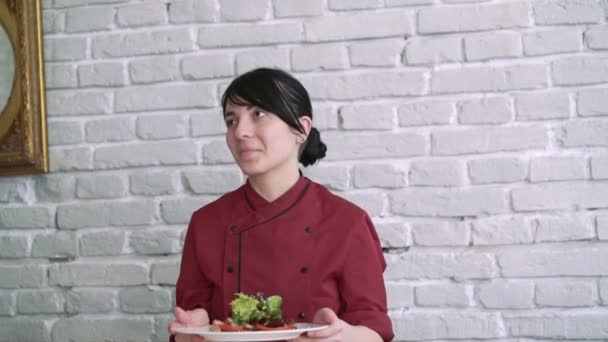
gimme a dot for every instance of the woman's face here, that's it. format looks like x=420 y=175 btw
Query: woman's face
x=260 y=142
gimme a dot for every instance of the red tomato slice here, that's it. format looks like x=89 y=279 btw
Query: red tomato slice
x=227 y=327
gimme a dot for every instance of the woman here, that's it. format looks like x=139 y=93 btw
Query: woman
x=281 y=233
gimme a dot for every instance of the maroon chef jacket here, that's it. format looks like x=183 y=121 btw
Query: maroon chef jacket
x=309 y=246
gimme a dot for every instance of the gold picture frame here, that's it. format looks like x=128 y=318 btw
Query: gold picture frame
x=23 y=129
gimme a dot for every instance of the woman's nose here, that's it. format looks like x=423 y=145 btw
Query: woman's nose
x=244 y=129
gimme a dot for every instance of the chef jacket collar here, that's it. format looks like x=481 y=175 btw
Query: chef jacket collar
x=257 y=202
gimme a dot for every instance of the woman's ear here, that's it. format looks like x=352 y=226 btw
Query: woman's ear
x=306 y=123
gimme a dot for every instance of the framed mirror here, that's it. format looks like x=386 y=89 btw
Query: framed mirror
x=23 y=139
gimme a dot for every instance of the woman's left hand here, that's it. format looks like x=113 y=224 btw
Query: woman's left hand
x=334 y=332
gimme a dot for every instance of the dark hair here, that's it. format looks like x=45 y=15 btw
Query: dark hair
x=278 y=92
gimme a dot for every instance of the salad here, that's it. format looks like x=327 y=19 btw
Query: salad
x=254 y=313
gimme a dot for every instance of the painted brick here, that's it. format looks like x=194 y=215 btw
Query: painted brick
x=12 y=247
x=394 y=234
x=506 y=294
x=26 y=217
x=567 y=12
x=102 y=329
x=562 y=228
x=501 y=231
x=559 y=195
x=156 y=127
x=206 y=123
x=101 y=243
x=484 y=78
x=422 y=50
x=539 y=261
x=580 y=70
x=65 y=49
x=319 y=57
x=249 y=34
x=554 y=41
x=439 y=265
x=599 y=167
x=67 y=159
x=153 y=69
x=296 y=8
x=86 y=19
x=360 y=117
x=491 y=139
x=595 y=38
x=553 y=168
x=194 y=11
x=64 y=132
x=557 y=325
x=495 y=45
x=207 y=66
x=22 y=276
x=359 y=146
x=422 y=113
x=487 y=110
x=83 y=300
x=97 y=274
x=565 y=293
x=473 y=17
x=416 y=326
x=440 y=233
x=155 y=97
x=449 y=202
x=378 y=175
x=533 y=106
x=334 y=177
x=59 y=76
x=141 y=43
x=235 y=10
x=592 y=102
x=267 y=57
x=379 y=53
x=442 y=295
x=101 y=74
x=496 y=170
x=584 y=133
x=367 y=85
x=443 y=172
x=61 y=244
x=110 y=130
x=81 y=103
x=141 y=15
x=344 y=27
x=100 y=186
x=345 y=5
x=40 y=302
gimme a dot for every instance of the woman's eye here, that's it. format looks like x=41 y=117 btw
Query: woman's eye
x=229 y=122
x=260 y=114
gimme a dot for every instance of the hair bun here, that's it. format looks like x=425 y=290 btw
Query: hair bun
x=314 y=149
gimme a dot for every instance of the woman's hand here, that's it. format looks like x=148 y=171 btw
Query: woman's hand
x=193 y=318
x=335 y=331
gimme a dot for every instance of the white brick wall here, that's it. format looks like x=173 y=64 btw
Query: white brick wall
x=474 y=132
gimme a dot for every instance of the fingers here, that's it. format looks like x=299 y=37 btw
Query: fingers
x=174 y=325
x=182 y=316
x=329 y=317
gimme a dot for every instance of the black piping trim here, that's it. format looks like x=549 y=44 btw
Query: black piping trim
x=238 y=284
x=249 y=201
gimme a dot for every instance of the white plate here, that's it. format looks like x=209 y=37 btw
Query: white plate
x=242 y=336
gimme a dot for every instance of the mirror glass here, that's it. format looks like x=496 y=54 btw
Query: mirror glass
x=7 y=68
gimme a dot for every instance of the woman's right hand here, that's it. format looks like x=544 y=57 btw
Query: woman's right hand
x=193 y=318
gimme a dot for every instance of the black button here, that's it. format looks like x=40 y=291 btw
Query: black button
x=234 y=229
x=304 y=269
x=230 y=269
x=301 y=315
x=308 y=230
